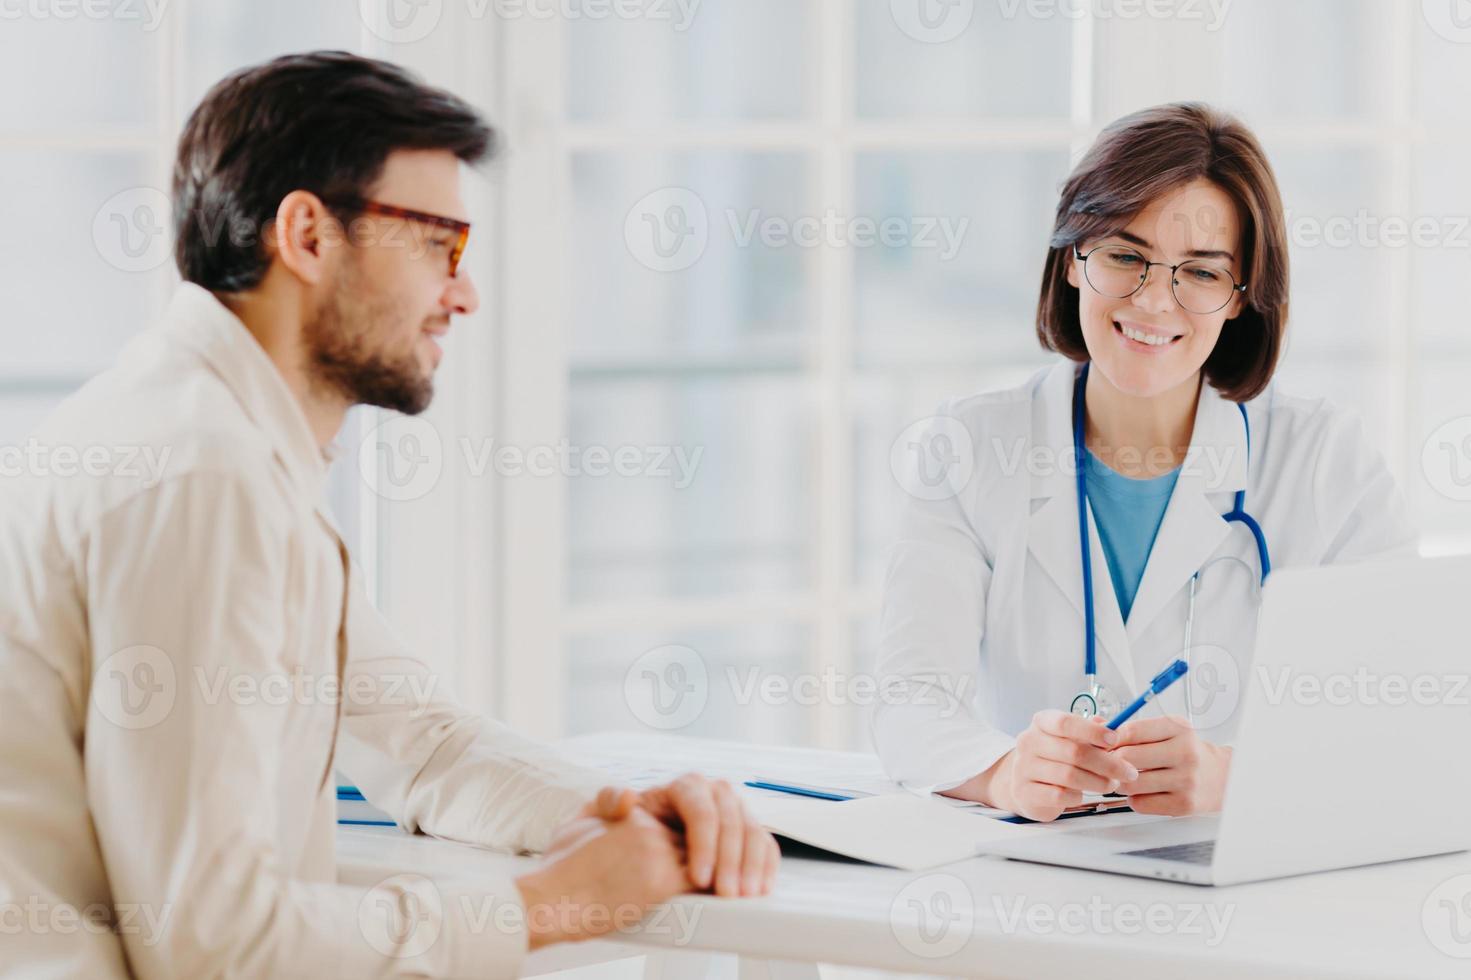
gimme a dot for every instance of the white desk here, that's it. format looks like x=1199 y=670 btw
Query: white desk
x=988 y=917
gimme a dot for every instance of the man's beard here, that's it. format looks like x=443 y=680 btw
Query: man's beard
x=339 y=357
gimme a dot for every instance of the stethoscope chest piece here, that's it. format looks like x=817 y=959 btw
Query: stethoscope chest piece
x=1094 y=701
x=1084 y=705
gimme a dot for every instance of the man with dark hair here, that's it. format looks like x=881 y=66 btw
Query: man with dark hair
x=152 y=785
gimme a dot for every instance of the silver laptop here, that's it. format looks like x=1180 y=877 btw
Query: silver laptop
x=1351 y=748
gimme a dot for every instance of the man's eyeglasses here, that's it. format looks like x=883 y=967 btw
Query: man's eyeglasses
x=461 y=229
x=1117 y=271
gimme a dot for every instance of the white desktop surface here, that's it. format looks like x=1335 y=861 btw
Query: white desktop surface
x=988 y=917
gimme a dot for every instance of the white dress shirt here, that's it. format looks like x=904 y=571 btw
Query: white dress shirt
x=185 y=655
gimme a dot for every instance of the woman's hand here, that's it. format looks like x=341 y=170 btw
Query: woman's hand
x=1179 y=772
x=1057 y=759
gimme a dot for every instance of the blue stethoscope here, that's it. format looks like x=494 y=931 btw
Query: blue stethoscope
x=1095 y=698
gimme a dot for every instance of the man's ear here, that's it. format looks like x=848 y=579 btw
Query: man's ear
x=304 y=235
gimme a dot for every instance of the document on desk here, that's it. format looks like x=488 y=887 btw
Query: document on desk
x=900 y=830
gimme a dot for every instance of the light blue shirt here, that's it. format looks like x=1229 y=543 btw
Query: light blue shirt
x=1128 y=513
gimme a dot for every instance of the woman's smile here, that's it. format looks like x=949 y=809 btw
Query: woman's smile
x=1145 y=339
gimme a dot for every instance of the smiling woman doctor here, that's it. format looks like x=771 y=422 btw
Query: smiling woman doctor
x=1036 y=592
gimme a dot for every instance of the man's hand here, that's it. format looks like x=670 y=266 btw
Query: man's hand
x=604 y=870
x=1179 y=772
x=729 y=852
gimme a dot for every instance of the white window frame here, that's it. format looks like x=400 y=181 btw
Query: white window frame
x=537 y=620
x=475 y=578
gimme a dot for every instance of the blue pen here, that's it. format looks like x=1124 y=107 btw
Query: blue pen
x=796 y=790
x=1162 y=680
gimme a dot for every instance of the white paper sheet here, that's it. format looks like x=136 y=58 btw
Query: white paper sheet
x=900 y=830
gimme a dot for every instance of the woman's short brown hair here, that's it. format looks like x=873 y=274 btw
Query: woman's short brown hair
x=1135 y=160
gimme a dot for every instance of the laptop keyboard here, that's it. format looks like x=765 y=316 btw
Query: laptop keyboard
x=1197 y=852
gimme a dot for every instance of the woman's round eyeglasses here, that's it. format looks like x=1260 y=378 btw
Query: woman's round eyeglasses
x=1117 y=271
